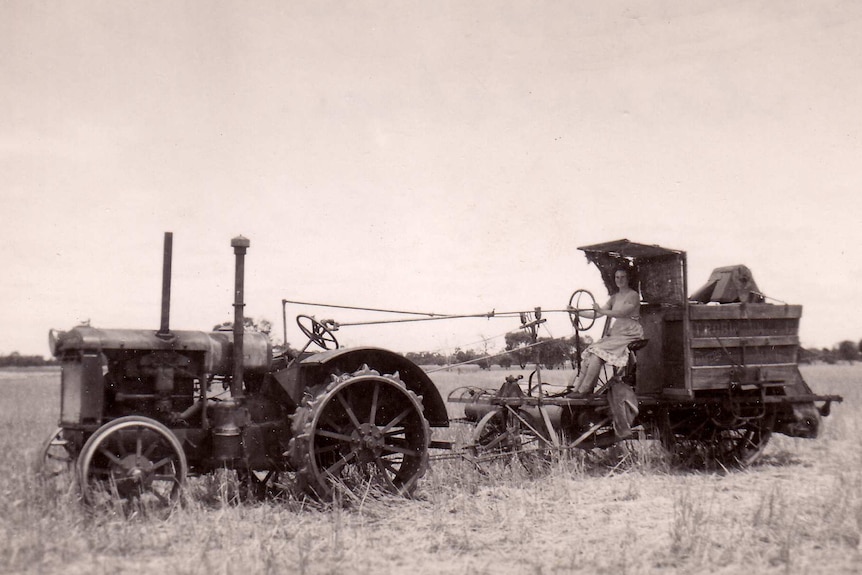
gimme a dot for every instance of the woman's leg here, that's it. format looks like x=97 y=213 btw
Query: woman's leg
x=578 y=376
x=589 y=375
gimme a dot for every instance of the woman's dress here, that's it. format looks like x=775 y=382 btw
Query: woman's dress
x=613 y=349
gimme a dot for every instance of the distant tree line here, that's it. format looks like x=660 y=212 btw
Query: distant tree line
x=846 y=350
x=552 y=353
x=15 y=359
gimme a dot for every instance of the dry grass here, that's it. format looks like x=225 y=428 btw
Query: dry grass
x=798 y=512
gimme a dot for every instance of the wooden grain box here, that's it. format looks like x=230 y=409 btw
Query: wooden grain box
x=730 y=343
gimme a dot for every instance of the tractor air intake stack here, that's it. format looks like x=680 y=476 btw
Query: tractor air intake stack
x=165 y=327
x=230 y=416
x=239 y=244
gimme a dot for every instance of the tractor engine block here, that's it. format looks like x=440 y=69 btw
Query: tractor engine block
x=110 y=373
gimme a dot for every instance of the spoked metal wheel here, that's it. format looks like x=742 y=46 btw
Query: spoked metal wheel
x=56 y=456
x=362 y=430
x=132 y=459
x=697 y=442
x=508 y=433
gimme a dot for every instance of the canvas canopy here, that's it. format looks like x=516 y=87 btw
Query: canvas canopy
x=657 y=272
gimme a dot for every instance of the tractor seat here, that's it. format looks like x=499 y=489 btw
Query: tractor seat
x=638 y=344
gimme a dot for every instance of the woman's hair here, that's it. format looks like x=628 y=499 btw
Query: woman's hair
x=626 y=270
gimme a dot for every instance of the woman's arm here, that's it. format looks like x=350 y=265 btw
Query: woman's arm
x=595 y=312
x=626 y=309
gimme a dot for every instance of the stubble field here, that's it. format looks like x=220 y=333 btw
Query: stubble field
x=798 y=511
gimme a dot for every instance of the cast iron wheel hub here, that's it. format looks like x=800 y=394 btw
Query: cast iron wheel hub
x=133 y=467
x=370 y=437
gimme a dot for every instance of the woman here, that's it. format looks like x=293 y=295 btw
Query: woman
x=624 y=306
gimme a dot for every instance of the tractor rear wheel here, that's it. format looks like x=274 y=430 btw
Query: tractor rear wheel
x=361 y=430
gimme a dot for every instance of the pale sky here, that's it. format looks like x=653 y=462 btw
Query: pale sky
x=442 y=157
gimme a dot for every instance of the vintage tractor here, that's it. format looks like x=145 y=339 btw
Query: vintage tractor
x=143 y=409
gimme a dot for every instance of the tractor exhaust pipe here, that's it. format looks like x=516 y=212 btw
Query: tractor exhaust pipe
x=239 y=244
x=165 y=326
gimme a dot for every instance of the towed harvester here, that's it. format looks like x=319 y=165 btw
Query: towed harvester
x=714 y=376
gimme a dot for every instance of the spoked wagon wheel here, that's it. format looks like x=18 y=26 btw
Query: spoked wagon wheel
x=364 y=429
x=695 y=441
x=506 y=433
x=492 y=437
x=132 y=458
x=743 y=445
x=56 y=456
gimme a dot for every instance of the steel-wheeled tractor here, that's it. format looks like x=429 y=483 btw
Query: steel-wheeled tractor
x=144 y=409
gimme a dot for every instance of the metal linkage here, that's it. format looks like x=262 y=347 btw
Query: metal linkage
x=427 y=316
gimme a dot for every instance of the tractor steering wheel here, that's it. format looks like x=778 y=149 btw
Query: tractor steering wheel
x=582 y=301
x=316 y=332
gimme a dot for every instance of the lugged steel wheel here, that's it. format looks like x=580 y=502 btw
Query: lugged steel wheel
x=361 y=428
x=132 y=458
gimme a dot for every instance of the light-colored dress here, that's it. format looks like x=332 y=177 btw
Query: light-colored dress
x=613 y=349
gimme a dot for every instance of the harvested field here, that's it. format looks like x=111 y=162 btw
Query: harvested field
x=798 y=511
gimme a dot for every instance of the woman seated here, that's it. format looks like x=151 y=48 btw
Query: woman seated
x=624 y=307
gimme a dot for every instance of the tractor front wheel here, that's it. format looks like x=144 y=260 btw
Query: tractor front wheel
x=132 y=458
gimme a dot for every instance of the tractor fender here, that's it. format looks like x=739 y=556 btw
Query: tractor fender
x=318 y=366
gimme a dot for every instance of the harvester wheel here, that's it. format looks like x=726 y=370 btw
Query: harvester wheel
x=361 y=430
x=132 y=458
x=493 y=436
x=695 y=442
x=56 y=456
x=509 y=433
